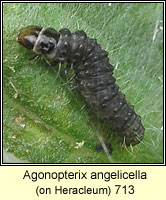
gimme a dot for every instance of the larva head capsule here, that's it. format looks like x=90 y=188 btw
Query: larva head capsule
x=28 y=35
x=41 y=41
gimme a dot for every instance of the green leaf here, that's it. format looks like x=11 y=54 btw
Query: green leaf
x=45 y=119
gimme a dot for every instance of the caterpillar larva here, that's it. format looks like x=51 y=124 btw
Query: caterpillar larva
x=93 y=74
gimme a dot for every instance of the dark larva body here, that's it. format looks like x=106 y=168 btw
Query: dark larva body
x=94 y=77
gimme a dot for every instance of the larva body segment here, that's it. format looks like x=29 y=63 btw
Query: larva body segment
x=97 y=85
x=95 y=81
